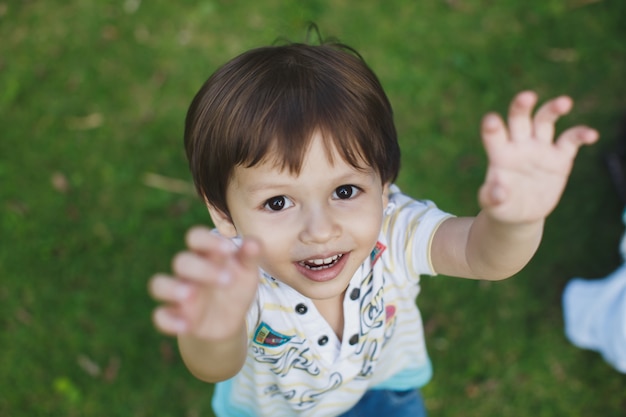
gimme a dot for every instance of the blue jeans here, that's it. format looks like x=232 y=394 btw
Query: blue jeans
x=388 y=403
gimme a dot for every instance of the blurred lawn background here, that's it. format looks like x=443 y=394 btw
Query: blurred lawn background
x=95 y=195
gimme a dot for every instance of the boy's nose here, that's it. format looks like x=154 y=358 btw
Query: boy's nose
x=319 y=226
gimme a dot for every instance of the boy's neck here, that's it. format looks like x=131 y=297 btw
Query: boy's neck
x=332 y=311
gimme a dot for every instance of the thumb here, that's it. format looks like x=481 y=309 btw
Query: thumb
x=491 y=194
x=249 y=253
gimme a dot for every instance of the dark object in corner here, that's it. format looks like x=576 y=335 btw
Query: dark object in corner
x=616 y=163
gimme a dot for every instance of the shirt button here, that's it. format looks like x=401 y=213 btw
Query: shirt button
x=354 y=295
x=354 y=339
x=301 y=309
x=322 y=340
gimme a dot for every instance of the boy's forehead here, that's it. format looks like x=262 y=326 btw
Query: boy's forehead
x=320 y=157
x=321 y=149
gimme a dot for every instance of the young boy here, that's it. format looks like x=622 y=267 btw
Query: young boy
x=302 y=302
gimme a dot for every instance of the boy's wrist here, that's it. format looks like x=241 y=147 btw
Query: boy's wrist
x=514 y=230
x=214 y=360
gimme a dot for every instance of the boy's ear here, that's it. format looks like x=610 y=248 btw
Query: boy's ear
x=385 y=195
x=222 y=222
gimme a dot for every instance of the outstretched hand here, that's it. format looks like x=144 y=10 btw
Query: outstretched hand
x=527 y=169
x=213 y=286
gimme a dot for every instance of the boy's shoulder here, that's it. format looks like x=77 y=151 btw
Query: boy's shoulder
x=400 y=203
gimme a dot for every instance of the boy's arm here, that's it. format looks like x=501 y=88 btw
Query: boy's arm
x=526 y=176
x=206 y=302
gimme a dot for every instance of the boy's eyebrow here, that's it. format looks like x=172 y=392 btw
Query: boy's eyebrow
x=259 y=187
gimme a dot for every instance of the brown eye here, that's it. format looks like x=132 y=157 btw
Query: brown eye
x=345 y=192
x=278 y=203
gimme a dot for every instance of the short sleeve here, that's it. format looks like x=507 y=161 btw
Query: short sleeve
x=409 y=226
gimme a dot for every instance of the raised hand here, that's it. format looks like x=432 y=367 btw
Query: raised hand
x=527 y=169
x=213 y=286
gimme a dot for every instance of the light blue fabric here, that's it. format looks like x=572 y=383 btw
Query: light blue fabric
x=595 y=314
x=408 y=379
x=225 y=405
x=387 y=403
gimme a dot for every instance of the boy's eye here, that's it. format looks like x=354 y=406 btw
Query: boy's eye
x=344 y=192
x=278 y=203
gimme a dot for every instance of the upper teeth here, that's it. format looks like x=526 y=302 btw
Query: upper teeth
x=320 y=262
x=324 y=261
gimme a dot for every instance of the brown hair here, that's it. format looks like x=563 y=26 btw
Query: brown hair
x=272 y=99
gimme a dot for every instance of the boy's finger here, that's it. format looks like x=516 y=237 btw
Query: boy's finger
x=519 y=117
x=203 y=240
x=167 y=289
x=575 y=137
x=493 y=131
x=492 y=192
x=190 y=266
x=547 y=115
x=249 y=254
x=167 y=321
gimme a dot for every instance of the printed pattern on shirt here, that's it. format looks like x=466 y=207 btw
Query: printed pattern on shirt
x=296 y=356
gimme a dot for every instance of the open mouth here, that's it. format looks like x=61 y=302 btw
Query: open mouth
x=319 y=264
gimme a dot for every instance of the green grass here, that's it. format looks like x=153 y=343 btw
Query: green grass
x=93 y=97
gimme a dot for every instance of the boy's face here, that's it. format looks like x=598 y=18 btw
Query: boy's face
x=315 y=228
